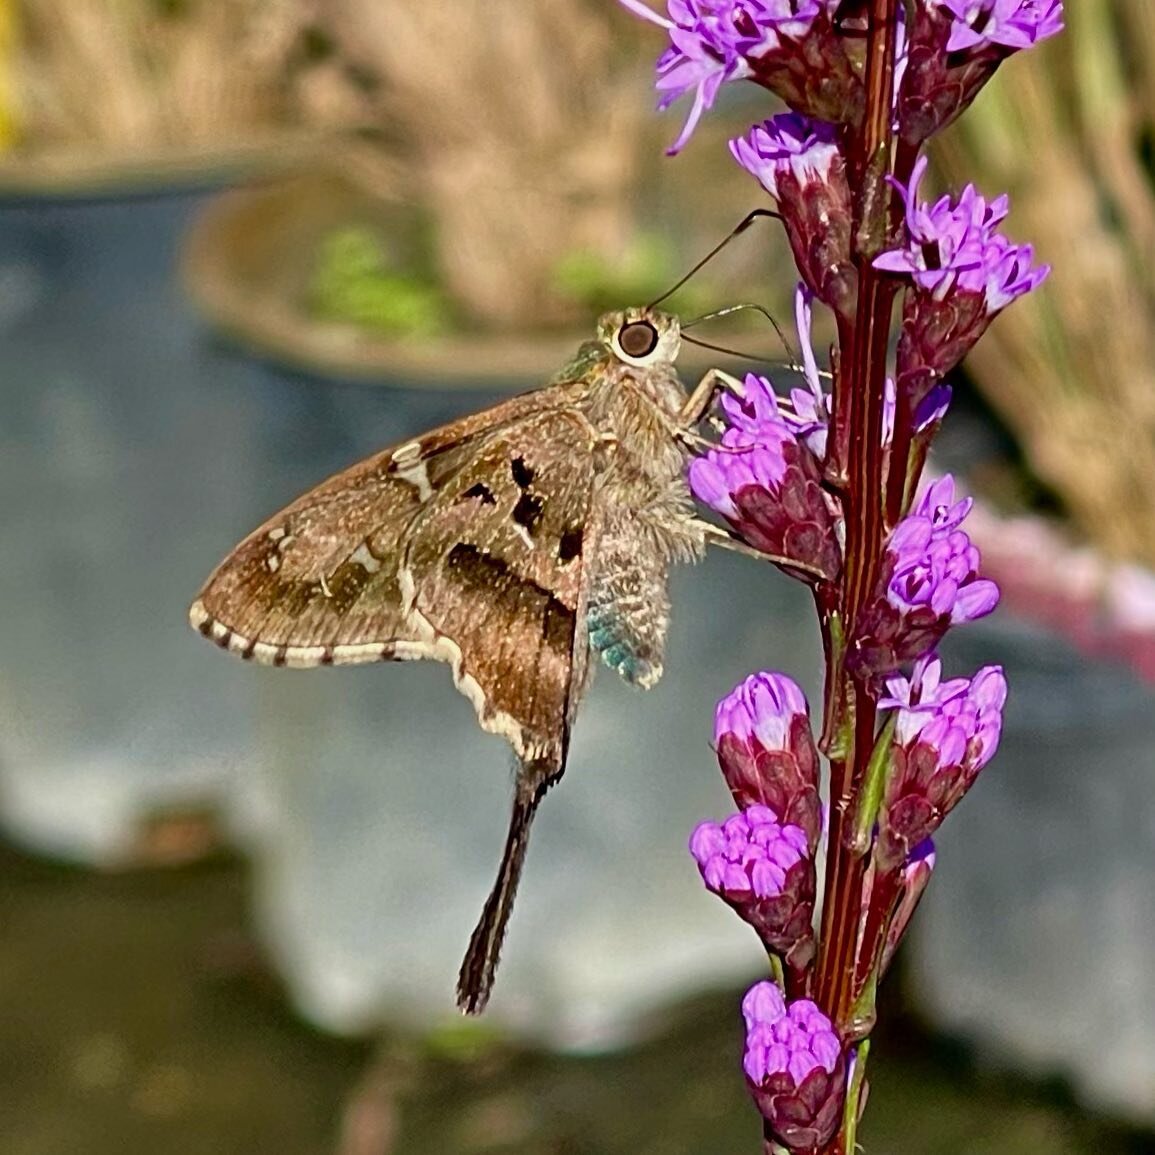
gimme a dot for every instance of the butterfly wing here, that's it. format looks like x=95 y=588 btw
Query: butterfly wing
x=317 y=583
x=493 y=575
x=468 y=546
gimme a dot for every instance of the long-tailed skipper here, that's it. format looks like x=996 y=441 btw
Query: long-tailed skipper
x=512 y=545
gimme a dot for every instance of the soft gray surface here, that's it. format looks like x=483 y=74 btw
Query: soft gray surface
x=1037 y=938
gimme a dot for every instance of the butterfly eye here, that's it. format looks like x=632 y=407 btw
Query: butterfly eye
x=638 y=339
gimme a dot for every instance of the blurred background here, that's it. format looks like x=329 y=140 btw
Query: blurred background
x=244 y=243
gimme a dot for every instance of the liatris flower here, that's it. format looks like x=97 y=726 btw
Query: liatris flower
x=945 y=733
x=767 y=752
x=1009 y=24
x=767 y=484
x=947 y=241
x=929 y=581
x=963 y=274
x=788 y=46
x=955 y=47
x=795 y=1068
x=798 y=162
x=797 y=478
x=764 y=869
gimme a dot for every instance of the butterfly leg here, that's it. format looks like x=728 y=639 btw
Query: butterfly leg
x=724 y=539
x=698 y=403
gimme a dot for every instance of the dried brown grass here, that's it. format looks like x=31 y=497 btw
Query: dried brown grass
x=1072 y=367
x=96 y=76
x=521 y=122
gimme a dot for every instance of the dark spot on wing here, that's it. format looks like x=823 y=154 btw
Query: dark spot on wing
x=345 y=584
x=570 y=545
x=522 y=474
x=527 y=512
x=482 y=492
x=474 y=569
x=557 y=626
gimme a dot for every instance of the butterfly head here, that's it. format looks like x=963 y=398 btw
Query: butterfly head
x=641 y=337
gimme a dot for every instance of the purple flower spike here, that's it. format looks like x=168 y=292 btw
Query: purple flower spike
x=1006 y=23
x=763 y=869
x=945 y=733
x=795 y=1067
x=929 y=582
x=766 y=482
x=767 y=753
x=797 y=160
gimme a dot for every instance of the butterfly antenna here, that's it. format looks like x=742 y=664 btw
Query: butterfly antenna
x=741 y=227
x=722 y=349
x=738 y=308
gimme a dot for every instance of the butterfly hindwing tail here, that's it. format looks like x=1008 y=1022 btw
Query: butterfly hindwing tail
x=475 y=979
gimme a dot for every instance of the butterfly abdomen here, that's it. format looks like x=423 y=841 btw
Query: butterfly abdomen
x=610 y=637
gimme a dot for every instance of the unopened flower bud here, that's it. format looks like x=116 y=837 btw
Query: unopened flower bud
x=916 y=872
x=764 y=870
x=767 y=753
x=795 y=1067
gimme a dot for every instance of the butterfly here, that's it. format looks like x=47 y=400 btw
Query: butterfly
x=515 y=545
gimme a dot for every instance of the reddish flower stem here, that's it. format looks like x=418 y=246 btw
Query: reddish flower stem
x=861 y=395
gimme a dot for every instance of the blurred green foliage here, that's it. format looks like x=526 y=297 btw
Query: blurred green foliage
x=641 y=272
x=354 y=283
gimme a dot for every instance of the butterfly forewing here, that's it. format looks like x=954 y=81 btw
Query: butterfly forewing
x=317 y=584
